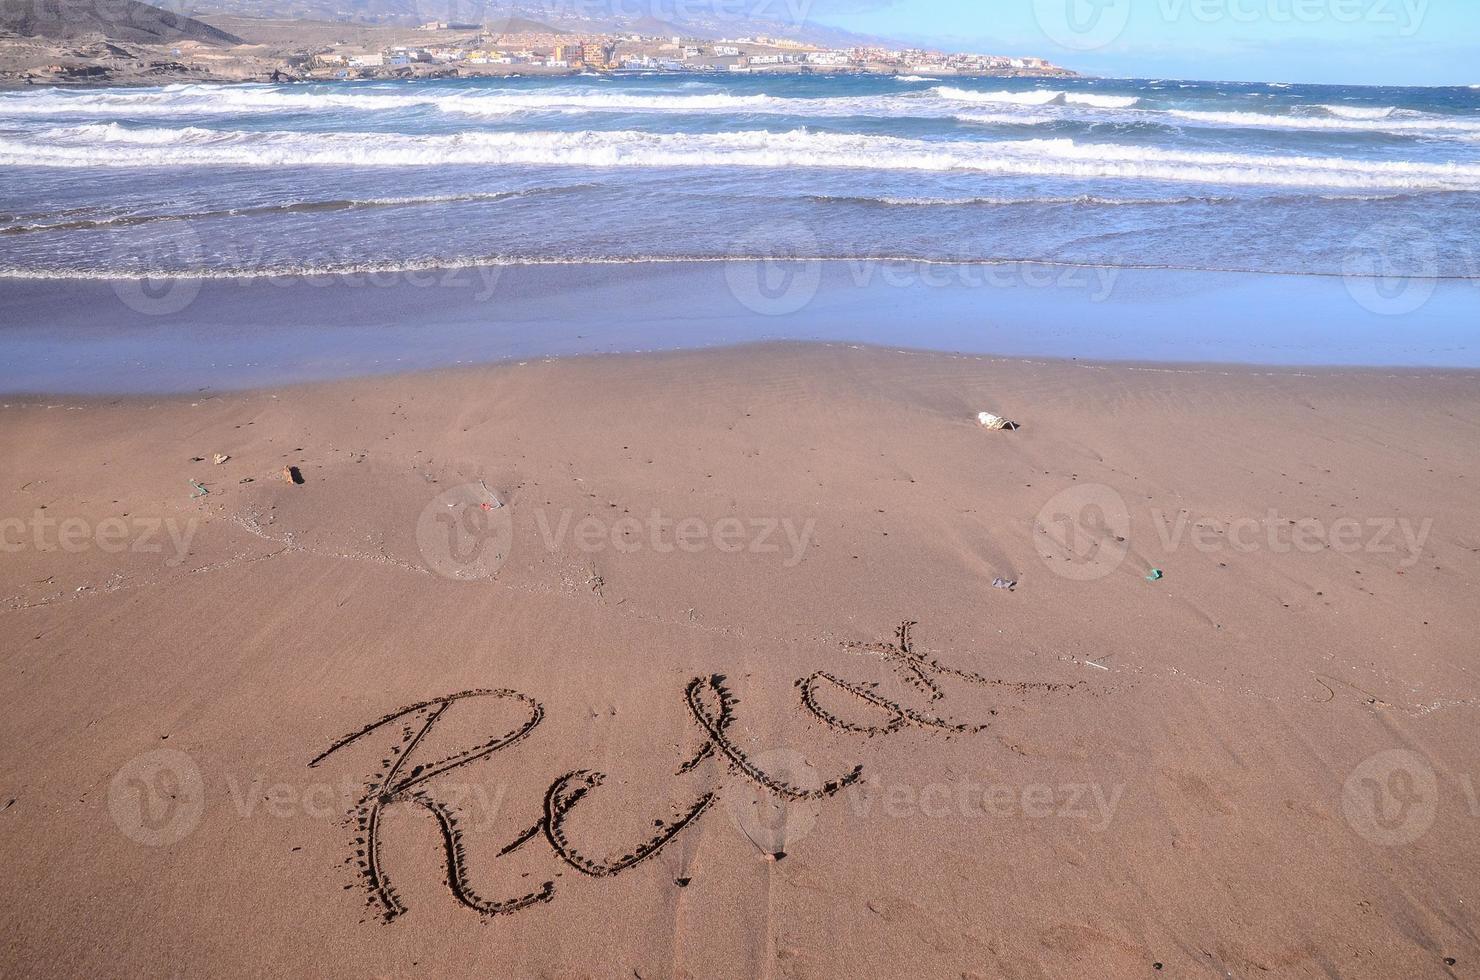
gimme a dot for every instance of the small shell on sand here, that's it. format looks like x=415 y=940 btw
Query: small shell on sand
x=995 y=421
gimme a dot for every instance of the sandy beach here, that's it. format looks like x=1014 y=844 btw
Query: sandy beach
x=692 y=665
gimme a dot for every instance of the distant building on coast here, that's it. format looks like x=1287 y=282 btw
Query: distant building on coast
x=598 y=55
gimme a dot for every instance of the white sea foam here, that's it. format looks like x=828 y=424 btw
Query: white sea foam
x=1358 y=112
x=1083 y=200
x=215 y=100
x=1419 y=123
x=111 y=145
x=1037 y=97
x=1004 y=119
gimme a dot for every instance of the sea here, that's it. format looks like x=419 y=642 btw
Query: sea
x=958 y=193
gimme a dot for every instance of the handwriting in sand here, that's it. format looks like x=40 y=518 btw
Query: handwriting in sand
x=406 y=779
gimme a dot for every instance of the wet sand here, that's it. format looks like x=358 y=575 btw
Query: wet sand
x=691 y=664
x=184 y=334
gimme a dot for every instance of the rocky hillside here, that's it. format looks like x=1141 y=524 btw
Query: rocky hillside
x=117 y=20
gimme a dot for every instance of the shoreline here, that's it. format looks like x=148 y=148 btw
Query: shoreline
x=121 y=336
x=758 y=349
x=193 y=78
x=328 y=273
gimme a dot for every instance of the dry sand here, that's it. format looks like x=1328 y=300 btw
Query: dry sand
x=1262 y=764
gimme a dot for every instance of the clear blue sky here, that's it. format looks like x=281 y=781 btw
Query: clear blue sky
x=1377 y=42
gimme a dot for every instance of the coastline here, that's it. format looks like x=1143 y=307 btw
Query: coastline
x=263 y=77
x=185 y=334
x=1204 y=744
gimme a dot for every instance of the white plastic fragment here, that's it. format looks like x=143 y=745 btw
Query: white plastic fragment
x=995 y=421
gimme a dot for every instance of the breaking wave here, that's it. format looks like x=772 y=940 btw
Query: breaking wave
x=1082 y=200
x=1360 y=123
x=112 y=145
x=1037 y=98
x=69 y=220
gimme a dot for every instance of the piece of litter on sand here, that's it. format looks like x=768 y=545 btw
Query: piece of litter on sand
x=219 y=458
x=1004 y=583
x=1155 y=575
x=200 y=491
x=995 y=421
x=1091 y=663
x=293 y=475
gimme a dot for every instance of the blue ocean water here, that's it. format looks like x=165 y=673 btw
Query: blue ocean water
x=260 y=180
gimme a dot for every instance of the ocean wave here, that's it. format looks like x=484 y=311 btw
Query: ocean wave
x=1005 y=119
x=65 y=221
x=1037 y=97
x=414 y=265
x=1418 y=123
x=1358 y=112
x=1082 y=200
x=482 y=102
x=213 y=100
x=110 y=145
x=256 y=100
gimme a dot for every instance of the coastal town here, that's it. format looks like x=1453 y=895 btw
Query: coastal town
x=154 y=47
x=468 y=49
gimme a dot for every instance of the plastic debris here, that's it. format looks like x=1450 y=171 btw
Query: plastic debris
x=1004 y=583
x=219 y=458
x=1155 y=575
x=995 y=421
x=200 y=491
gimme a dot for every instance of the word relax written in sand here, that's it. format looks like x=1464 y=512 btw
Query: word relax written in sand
x=405 y=779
